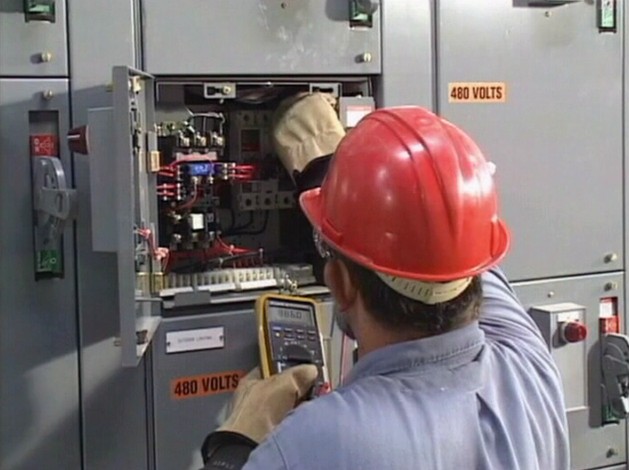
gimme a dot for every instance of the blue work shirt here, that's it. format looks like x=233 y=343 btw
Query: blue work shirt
x=485 y=396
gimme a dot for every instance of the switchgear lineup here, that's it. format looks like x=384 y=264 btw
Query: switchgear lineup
x=143 y=210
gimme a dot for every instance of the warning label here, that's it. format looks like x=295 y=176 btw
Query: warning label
x=204 y=385
x=44 y=145
x=477 y=92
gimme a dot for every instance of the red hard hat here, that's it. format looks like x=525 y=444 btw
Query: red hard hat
x=410 y=195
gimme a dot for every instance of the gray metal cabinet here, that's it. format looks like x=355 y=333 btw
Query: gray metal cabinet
x=185 y=415
x=116 y=413
x=591 y=444
x=32 y=48
x=557 y=138
x=258 y=37
x=39 y=419
x=407 y=54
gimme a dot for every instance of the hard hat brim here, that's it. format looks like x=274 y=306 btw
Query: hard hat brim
x=311 y=203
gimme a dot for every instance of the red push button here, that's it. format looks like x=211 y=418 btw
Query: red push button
x=574 y=331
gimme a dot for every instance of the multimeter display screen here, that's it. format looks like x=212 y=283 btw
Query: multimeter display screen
x=290 y=313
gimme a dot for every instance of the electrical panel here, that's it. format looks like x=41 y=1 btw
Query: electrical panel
x=33 y=37
x=582 y=322
x=548 y=131
x=203 y=212
x=185 y=214
x=228 y=214
x=38 y=335
x=291 y=37
x=194 y=376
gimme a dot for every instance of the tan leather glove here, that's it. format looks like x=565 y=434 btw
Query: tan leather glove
x=306 y=127
x=260 y=405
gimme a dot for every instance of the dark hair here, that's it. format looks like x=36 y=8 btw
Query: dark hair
x=400 y=313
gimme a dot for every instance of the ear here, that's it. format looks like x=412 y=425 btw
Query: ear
x=342 y=286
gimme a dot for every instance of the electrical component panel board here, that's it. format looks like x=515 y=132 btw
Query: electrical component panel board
x=194 y=201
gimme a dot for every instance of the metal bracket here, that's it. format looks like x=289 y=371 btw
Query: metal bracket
x=615 y=367
x=333 y=89
x=219 y=90
x=550 y=3
x=53 y=202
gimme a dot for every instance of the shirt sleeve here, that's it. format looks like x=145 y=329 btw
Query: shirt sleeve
x=503 y=318
x=267 y=456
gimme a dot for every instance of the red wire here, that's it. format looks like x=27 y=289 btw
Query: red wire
x=188 y=204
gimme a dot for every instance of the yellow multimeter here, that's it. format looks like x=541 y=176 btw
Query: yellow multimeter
x=288 y=335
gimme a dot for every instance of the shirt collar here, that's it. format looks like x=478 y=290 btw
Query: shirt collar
x=449 y=349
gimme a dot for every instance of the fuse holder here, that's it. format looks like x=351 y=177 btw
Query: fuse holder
x=573 y=332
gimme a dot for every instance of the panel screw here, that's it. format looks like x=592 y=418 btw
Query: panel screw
x=227 y=90
x=547 y=14
x=612 y=285
x=551 y=294
x=611 y=257
x=366 y=57
x=47 y=94
x=611 y=452
x=45 y=56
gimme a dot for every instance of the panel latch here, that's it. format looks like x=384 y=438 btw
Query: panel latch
x=615 y=364
x=53 y=202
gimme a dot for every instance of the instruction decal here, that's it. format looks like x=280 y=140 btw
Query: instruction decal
x=195 y=340
x=205 y=385
x=477 y=92
x=44 y=145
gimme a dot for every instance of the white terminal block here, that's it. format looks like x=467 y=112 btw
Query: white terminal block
x=197 y=221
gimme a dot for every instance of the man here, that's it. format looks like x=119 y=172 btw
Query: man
x=452 y=373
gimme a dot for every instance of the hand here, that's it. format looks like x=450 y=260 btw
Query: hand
x=260 y=405
x=306 y=127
